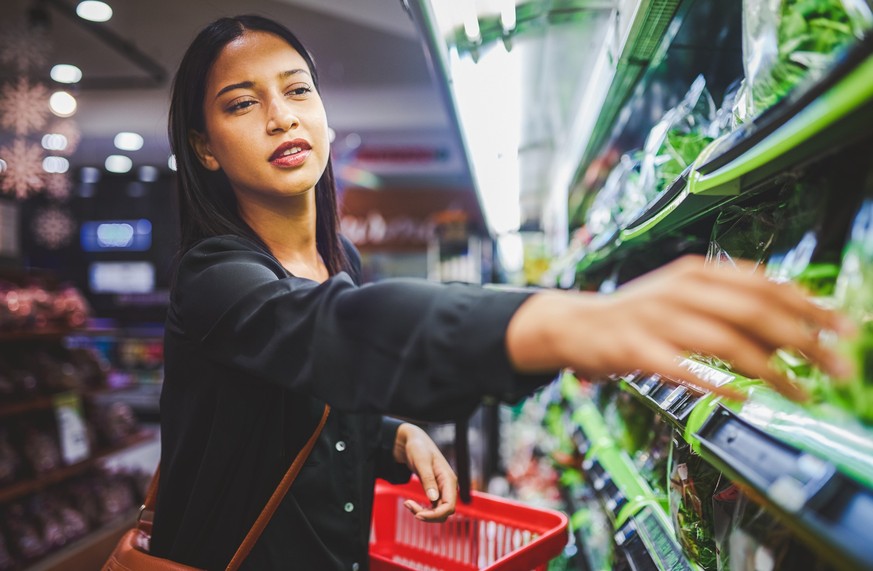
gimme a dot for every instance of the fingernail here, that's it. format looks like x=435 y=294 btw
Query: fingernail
x=432 y=494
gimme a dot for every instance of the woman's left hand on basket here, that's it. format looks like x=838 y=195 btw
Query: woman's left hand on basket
x=414 y=448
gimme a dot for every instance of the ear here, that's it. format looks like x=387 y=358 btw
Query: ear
x=201 y=149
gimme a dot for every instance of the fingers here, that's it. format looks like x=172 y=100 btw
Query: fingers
x=745 y=352
x=440 y=486
x=662 y=358
x=428 y=481
x=437 y=478
x=773 y=315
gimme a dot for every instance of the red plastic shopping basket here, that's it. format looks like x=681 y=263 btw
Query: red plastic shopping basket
x=489 y=533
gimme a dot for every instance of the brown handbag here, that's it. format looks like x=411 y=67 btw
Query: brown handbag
x=132 y=551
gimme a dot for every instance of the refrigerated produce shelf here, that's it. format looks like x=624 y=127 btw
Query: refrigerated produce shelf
x=830 y=510
x=828 y=115
x=647 y=541
x=643 y=530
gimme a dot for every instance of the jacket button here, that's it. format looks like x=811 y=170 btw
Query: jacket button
x=355 y=566
x=340 y=446
x=349 y=506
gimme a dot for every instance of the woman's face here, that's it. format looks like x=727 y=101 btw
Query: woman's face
x=266 y=126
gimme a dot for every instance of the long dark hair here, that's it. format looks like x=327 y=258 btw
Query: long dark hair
x=207 y=204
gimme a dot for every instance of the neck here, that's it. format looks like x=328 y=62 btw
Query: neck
x=287 y=227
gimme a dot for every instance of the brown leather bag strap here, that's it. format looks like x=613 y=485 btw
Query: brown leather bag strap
x=276 y=498
x=272 y=504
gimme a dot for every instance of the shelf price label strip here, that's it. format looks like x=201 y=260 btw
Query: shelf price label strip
x=830 y=510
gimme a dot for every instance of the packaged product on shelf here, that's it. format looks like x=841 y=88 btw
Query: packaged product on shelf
x=619 y=200
x=41 y=449
x=854 y=295
x=24 y=538
x=677 y=140
x=697 y=491
x=743 y=233
x=10 y=460
x=758 y=542
x=787 y=41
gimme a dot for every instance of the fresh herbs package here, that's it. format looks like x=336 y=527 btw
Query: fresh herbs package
x=619 y=200
x=787 y=41
x=854 y=296
x=677 y=140
x=697 y=493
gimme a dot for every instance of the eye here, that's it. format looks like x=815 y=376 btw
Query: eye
x=299 y=91
x=240 y=105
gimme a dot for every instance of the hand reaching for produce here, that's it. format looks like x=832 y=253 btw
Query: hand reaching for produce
x=683 y=307
x=414 y=447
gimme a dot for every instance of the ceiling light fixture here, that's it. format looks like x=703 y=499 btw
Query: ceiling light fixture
x=507 y=16
x=127 y=141
x=94 y=11
x=62 y=104
x=66 y=73
x=55 y=165
x=118 y=164
x=54 y=142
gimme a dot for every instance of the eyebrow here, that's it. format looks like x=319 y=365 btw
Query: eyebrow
x=250 y=84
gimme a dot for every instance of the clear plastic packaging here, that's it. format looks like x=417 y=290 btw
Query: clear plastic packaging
x=854 y=296
x=619 y=200
x=788 y=41
x=677 y=140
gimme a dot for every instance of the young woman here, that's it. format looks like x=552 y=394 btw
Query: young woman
x=268 y=322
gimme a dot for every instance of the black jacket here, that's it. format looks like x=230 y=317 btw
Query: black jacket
x=251 y=355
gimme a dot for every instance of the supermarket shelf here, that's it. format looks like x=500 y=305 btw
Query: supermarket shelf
x=18 y=489
x=794 y=132
x=26 y=405
x=647 y=541
x=47 y=334
x=820 y=119
x=674 y=400
x=648 y=28
x=91 y=551
x=827 y=508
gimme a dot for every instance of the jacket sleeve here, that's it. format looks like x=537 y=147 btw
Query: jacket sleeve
x=403 y=347
x=387 y=467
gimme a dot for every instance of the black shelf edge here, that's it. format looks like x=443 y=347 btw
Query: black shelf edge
x=648 y=545
x=833 y=512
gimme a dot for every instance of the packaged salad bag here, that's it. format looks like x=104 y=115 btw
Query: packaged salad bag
x=854 y=296
x=788 y=41
x=677 y=140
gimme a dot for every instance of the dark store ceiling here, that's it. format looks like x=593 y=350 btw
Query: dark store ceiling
x=375 y=79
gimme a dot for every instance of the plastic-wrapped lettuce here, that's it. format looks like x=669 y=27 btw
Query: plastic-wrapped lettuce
x=854 y=295
x=694 y=484
x=677 y=140
x=619 y=200
x=746 y=233
x=788 y=41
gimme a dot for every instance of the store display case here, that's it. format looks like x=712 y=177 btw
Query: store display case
x=693 y=147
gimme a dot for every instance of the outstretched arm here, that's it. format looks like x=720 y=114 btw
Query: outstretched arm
x=683 y=307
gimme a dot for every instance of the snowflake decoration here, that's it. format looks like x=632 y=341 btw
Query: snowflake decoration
x=53 y=227
x=24 y=48
x=24 y=106
x=24 y=174
x=69 y=129
x=58 y=186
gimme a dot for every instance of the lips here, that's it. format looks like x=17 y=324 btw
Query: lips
x=291 y=154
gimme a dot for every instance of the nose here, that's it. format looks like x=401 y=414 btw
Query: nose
x=281 y=116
